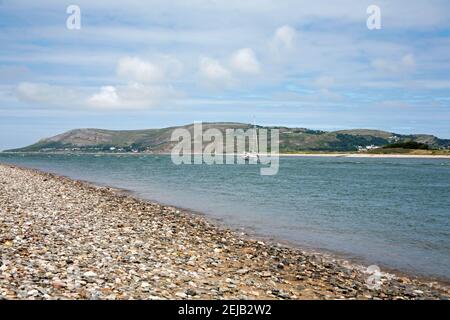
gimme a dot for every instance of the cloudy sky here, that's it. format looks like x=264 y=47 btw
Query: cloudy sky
x=144 y=64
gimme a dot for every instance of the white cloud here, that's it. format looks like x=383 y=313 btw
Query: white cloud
x=146 y=95
x=406 y=64
x=245 y=61
x=140 y=92
x=43 y=93
x=285 y=37
x=143 y=90
x=282 y=46
x=107 y=97
x=135 y=69
x=126 y=97
x=132 y=96
x=213 y=70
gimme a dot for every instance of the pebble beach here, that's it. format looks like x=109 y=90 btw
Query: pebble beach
x=67 y=239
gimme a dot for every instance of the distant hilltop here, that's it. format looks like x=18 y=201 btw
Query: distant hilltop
x=291 y=140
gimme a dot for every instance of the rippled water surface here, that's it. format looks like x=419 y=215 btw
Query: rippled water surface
x=391 y=212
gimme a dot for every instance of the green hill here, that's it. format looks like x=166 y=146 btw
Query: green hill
x=158 y=140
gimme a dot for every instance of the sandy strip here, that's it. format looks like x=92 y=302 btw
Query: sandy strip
x=67 y=239
x=366 y=155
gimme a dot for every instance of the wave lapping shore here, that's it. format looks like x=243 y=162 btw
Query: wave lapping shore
x=67 y=239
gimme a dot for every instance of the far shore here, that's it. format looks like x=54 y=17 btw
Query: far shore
x=305 y=154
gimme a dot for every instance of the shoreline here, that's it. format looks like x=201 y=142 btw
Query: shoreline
x=394 y=282
x=281 y=155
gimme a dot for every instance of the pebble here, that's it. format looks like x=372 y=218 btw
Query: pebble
x=33 y=292
x=89 y=274
x=79 y=241
x=58 y=284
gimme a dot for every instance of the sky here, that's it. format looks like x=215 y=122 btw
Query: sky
x=151 y=64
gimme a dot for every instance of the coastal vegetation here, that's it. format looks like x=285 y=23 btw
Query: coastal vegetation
x=408 y=145
x=292 y=140
x=411 y=148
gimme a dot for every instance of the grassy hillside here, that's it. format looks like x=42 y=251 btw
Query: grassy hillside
x=158 y=140
x=417 y=152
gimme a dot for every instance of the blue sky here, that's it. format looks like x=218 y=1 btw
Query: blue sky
x=144 y=64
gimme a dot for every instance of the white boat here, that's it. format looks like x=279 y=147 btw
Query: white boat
x=252 y=154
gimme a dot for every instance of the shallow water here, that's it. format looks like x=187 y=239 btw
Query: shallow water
x=391 y=212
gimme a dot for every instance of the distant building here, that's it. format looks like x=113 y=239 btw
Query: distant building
x=394 y=139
